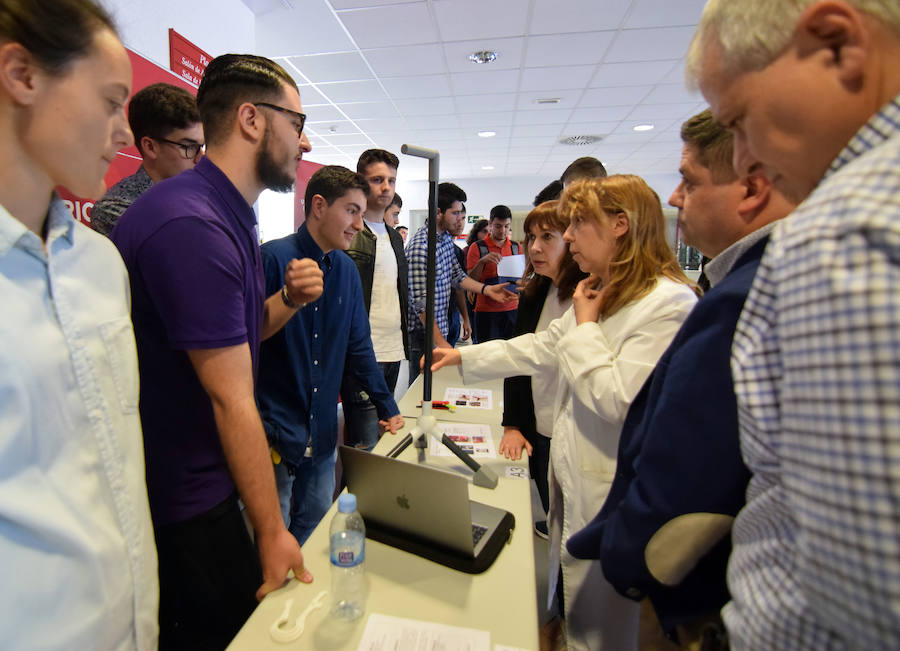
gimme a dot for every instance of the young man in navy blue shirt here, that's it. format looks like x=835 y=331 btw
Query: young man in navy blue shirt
x=301 y=366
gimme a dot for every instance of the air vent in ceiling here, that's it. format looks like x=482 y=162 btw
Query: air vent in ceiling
x=580 y=140
x=547 y=100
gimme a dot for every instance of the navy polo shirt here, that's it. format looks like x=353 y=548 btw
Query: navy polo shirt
x=193 y=257
x=301 y=366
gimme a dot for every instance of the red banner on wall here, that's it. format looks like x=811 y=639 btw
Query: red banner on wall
x=186 y=59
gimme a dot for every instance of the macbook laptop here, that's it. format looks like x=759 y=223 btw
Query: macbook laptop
x=425 y=511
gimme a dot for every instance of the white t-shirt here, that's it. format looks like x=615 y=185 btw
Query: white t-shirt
x=384 y=310
x=541 y=389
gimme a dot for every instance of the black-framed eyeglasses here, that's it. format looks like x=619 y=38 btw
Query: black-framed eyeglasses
x=188 y=149
x=286 y=111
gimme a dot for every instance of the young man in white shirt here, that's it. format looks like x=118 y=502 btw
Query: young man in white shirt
x=378 y=253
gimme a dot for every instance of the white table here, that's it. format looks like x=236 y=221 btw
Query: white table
x=501 y=600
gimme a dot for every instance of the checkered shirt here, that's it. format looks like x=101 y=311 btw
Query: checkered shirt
x=448 y=274
x=816 y=363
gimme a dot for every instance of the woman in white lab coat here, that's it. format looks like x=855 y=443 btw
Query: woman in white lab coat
x=601 y=351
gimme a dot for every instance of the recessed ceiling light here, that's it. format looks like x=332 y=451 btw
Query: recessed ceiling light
x=483 y=56
x=487 y=134
x=643 y=127
x=487 y=167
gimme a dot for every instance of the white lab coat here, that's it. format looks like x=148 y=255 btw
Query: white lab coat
x=600 y=368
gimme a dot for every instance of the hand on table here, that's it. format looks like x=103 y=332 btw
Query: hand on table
x=278 y=553
x=512 y=443
x=393 y=424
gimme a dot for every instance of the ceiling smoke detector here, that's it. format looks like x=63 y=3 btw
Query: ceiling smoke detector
x=483 y=56
x=580 y=140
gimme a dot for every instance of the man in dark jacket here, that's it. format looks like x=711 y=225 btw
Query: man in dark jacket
x=664 y=531
x=378 y=253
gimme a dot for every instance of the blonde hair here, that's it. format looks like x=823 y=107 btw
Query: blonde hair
x=643 y=255
x=751 y=34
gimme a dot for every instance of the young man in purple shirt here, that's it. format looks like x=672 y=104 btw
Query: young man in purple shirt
x=301 y=367
x=199 y=311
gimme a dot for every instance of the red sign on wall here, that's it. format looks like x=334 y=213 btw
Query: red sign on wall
x=186 y=59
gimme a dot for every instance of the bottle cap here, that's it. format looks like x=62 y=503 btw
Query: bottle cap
x=347 y=503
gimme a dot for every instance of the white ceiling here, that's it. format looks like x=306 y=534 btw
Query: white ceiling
x=380 y=73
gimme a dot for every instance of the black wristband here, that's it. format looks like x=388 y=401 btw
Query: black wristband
x=483 y=287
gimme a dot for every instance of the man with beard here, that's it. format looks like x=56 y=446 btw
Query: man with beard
x=301 y=367
x=199 y=311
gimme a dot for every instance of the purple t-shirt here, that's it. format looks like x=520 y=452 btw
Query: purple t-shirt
x=192 y=253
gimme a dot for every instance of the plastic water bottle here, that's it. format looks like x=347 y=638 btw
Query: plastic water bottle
x=348 y=560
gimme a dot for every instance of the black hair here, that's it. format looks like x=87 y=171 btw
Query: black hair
x=500 y=212
x=55 y=32
x=448 y=193
x=370 y=156
x=332 y=182
x=399 y=226
x=396 y=201
x=232 y=79
x=550 y=192
x=477 y=227
x=586 y=167
x=160 y=108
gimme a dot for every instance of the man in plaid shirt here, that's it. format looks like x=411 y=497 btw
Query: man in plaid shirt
x=809 y=88
x=448 y=273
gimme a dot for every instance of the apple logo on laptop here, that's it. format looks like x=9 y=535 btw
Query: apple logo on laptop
x=403 y=502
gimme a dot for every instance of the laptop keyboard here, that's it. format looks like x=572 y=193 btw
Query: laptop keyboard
x=477 y=532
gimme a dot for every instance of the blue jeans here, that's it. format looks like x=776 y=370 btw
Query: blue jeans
x=306 y=495
x=360 y=415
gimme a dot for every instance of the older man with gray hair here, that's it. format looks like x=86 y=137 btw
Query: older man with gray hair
x=809 y=89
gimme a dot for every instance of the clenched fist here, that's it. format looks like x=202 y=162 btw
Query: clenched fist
x=303 y=280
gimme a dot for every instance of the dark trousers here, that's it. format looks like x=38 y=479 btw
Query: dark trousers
x=416 y=350
x=495 y=325
x=360 y=415
x=209 y=573
x=539 y=465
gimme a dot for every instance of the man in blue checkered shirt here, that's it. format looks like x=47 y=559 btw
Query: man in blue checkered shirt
x=811 y=91
x=448 y=273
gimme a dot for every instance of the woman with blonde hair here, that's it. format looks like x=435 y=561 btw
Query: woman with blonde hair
x=624 y=315
x=548 y=284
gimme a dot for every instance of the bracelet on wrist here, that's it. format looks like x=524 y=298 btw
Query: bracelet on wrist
x=483 y=287
x=286 y=299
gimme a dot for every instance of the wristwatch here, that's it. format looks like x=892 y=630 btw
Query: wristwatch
x=286 y=299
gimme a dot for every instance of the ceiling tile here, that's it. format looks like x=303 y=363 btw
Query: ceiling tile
x=478 y=103
x=672 y=94
x=509 y=54
x=561 y=78
x=543 y=115
x=633 y=44
x=533 y=130
x=352 y=91
x=486 y=121
x=420 y=86
x=324 y=113
x=562 y=16
x=600 y=114
x=407 y=60
x=427 y=106
x=563 y=49
x=661 y=111
x=392 y=25
x=568 y=99
x=614 y=96
x=369 y=110
x=475 y=83
x=310 y=97
x=312 y=29
x=430 y=122
x=332 y=67
x=627 y=74
x=357 y=4
x=478 y=19
x=665 y=13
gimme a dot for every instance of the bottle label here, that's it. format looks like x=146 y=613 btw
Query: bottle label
x=348 y=549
